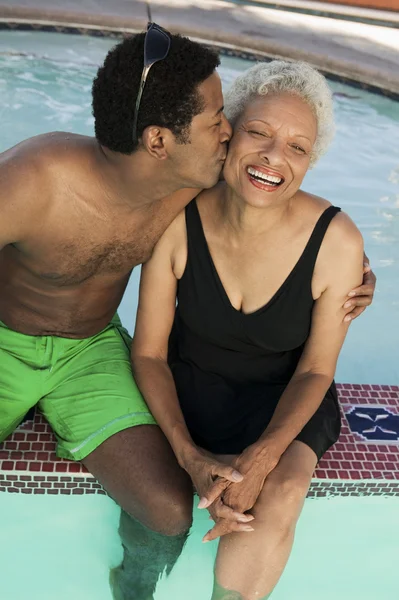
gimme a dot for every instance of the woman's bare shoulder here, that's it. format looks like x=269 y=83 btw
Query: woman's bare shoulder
x=341 y=229
x=173 y=244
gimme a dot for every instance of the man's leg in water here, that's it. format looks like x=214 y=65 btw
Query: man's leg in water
x=139 y=470
x=100 y=418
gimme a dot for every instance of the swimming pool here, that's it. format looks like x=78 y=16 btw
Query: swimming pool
x=345 y=547
x=360 y=172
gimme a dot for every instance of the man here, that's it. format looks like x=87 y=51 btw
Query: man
x=77 y=215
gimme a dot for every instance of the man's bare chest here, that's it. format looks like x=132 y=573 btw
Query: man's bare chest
x=71 y=257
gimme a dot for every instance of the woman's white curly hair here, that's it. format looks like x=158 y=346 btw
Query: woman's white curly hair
x=288 y=77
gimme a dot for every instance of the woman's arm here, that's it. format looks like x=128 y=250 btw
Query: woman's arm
x=342 y=264
x=155 y=315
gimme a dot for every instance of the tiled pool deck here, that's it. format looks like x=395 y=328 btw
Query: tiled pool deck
x=365 y=460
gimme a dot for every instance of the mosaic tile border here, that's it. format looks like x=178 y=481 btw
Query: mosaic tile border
x=225 y=50
x=355 y=467
x=14 y=483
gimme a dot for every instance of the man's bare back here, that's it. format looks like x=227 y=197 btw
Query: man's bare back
x=66 y=268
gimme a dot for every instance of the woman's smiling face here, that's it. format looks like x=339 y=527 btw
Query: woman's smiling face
x=270 y=151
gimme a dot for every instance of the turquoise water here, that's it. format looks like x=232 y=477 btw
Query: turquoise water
x=45 y=83
x=62 y=548
x=58 y=547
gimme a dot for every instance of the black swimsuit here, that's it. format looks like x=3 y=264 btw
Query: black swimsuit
x=231 y=368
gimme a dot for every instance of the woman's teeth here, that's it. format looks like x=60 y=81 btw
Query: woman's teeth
x=263 y=178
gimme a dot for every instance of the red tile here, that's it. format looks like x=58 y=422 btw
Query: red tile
x=19 y=437
x=7 y=465
x=351 y=447
x=74 y=467
x=366 y=474
x=334 y=464
x=356 y=465
x=384 y=394
x=10 y=445
x=321 y=474
x=379 y=466
x=354 y=474
x=359 y=455
x=391 y=466
x=32 y=437
x=4 y=454
x=343 y=474
x=348 y=455
x=61 y=467
x=48 y=467
x=345 y=464
x=370 y=456
x=35 y=466
x=337 y=455
x=332 y=474
x=27 y=491
x=29 y=455
x=16 y=455
x=78 y=491
x=368 y=465
x=42 y=456
x=24 y=446
x=40 y=428
x=39 y=491
x=21 y=466
x=37 y=446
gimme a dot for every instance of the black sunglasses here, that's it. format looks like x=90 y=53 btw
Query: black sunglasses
x=156 y=48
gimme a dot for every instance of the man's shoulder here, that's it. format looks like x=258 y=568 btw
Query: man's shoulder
x=36 y=156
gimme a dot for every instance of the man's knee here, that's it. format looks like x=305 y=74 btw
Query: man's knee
x=171 y=515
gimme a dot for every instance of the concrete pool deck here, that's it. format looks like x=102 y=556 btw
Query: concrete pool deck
x=357 y=51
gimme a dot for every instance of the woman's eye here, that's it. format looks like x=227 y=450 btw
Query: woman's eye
x=257 y=132
x=298 y=148
x=218 y=124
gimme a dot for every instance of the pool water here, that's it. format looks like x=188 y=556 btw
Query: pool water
x=45 y=85
x=63 y=547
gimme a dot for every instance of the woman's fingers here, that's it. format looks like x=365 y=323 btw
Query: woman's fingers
x=224 y=476
x=219 y=510
x=214 y=492
x=224 y=527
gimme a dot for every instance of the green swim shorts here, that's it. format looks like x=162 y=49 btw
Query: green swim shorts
x=84 y=388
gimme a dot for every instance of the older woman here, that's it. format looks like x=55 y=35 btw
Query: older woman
x=243 y=367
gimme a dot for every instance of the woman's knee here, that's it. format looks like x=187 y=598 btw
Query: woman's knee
x=282 y=497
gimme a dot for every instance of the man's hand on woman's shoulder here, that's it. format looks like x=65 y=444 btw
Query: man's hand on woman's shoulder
x=362 y=296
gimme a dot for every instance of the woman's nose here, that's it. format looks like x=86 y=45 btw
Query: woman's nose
x=273 y=152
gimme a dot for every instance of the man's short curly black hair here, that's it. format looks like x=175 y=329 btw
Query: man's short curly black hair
x=170 y=99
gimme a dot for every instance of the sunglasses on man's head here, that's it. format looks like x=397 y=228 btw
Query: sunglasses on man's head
x=156 y=48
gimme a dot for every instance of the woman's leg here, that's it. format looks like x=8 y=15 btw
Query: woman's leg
x=249 y=565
